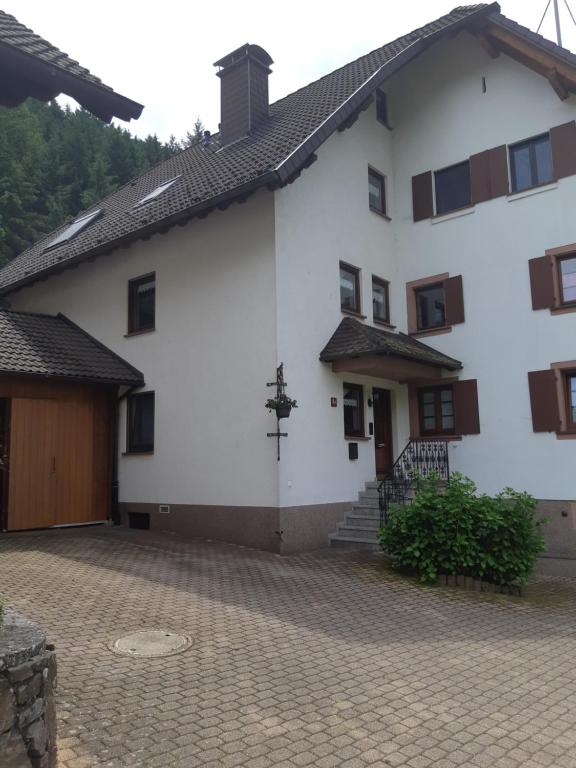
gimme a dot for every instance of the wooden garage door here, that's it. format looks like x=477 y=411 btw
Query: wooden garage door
x=32 y=463
x=52 y=462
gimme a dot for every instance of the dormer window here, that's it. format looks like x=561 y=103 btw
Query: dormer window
x=77 y=226
x=156 y=192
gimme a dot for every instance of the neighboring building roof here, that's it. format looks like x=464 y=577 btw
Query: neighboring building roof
x=49 y=346
x=354 y=339
x=284 y=144
x=31 y=66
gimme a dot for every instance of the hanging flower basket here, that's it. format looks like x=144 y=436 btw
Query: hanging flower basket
x=282 y=405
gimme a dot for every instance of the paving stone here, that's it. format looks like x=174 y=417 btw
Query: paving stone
x=323 y=659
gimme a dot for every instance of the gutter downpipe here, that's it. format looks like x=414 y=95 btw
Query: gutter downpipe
x=115 y=485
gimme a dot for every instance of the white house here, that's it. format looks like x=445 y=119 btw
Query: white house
x=398 y=234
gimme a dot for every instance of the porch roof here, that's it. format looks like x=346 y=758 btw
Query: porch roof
x=54 y=347
x=358 y=348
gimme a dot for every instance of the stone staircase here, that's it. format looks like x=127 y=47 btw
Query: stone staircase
x=360 y=528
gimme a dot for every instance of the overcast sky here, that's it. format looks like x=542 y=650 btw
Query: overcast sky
x=162 y=54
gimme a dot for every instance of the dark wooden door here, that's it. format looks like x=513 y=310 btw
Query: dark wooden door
x=383 y=431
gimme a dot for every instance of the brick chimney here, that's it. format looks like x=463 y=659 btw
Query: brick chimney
x=244 y=91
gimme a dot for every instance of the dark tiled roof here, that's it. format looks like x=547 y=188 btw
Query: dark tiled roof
x=213 y=176
x=209 y=174
x=44 y=345
x=24 y=53
x=354 y=339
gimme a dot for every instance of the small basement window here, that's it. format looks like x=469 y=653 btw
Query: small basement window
x=353 y=410
x=452 y=187
x=75 y=228
x=430 y=306
x=140 y=430
x=531 y=163
x=156 y=192
x=142 y=304
x=349 y=288
x=376 y=191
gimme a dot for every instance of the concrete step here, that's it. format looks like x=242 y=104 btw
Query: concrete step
x=361 y=509
x=341 y=542
x=368 y=501
x=371 y=484
x=357 y=532
x=371 y=522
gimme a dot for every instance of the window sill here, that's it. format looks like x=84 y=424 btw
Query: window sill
x=383 y=323
x=382 y=214
x=453 y=214
x=352 y=313
x=566 y=435
x=531 y=191
x=563 y=309
x=139 y=333
x=138 y=453
x=363 y=439
x=432 y=331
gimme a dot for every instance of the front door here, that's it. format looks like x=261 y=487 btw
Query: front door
x=383 y=431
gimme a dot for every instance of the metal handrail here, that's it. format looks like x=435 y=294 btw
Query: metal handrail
x=419 y=458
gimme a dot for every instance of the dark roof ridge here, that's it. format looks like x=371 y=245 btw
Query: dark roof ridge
x=413 y=33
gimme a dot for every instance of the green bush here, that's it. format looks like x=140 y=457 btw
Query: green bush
x=451 y=529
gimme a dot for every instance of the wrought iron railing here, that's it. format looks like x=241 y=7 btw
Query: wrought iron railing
x=420 y=458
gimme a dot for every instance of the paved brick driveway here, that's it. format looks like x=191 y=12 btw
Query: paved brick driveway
x=318 y=660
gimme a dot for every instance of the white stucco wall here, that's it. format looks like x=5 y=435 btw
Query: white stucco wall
x=441 y=116
x=322 y=219
x=208 y=361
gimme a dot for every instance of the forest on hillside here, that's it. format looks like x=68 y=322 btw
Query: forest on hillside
x=55 y=162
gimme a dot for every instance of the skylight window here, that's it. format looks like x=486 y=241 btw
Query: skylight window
x=156 y=192
x=77 y=226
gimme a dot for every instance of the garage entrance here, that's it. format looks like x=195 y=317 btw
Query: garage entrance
x=58 y=393
x=58 y=441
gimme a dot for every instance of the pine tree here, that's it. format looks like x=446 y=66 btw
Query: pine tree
x=196 y=135
x=55 y=162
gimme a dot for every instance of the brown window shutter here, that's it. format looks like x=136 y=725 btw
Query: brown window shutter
x=544 y=401
x=422 y=200
x=489 y=174
x=563 y=140
x=498 y=169
x=466 y=413
x=413 y=411
x=479 y=178
x=454 y=300
x=542 y=282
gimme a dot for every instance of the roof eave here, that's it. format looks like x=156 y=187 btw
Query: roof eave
x=44 y=81
x=455 y=365
x=270 y=178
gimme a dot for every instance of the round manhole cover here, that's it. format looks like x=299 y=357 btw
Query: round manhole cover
x=150 y=642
